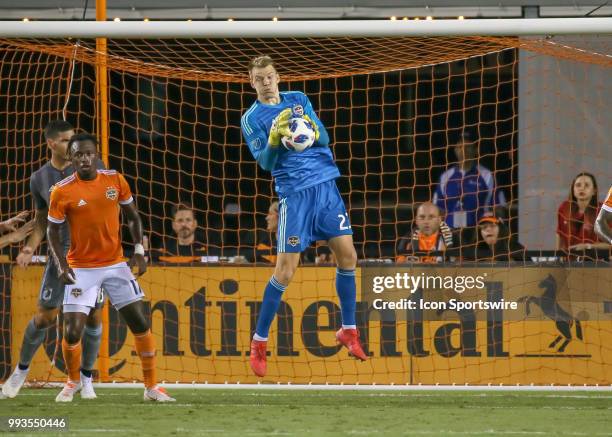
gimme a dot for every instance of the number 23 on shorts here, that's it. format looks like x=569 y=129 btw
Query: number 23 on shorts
x=344 y=221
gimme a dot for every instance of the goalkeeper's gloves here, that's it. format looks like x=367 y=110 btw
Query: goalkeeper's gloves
x=280 y=127
x=315 y=126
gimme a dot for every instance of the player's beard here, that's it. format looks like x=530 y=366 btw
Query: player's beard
x=185 y=233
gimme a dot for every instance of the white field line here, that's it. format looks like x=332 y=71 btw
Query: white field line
x=357 y=387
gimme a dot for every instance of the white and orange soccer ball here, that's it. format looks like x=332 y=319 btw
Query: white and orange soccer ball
x=302 y=135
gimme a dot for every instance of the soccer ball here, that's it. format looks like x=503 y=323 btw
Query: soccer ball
x=302 y=135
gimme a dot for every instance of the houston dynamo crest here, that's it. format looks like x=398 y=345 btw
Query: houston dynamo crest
x=298 y=110
x=112 y=193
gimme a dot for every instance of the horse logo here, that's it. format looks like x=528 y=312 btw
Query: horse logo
x=551 y=309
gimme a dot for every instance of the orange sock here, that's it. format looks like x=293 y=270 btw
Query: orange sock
x=145 y=347
x=72 y=359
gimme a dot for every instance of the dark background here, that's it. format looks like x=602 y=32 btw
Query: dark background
x=178 y=140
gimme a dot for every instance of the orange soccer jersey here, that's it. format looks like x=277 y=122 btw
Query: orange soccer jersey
x=92 y=210
x=607 y=205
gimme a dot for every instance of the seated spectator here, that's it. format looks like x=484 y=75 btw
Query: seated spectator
x=15 y=233
x=494 y=243
x=431 y=234
x=466 y=191
x=183 y=244
x=576 y=216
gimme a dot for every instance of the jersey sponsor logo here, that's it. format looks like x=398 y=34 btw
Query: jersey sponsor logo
x=112 y=193
x=298 y=110
x=81 y=203
x=76 y=292
x=256 y=144
x=293 y=241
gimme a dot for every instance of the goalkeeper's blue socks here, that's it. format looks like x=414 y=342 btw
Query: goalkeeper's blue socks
x=271 y=301
x=347 y=293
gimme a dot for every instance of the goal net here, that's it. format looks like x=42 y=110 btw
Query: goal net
x=537 y=110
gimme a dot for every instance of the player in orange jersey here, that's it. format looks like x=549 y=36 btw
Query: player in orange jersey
x=91 y=201
x=602 y=224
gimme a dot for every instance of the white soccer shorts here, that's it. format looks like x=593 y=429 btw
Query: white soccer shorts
x=118 y=283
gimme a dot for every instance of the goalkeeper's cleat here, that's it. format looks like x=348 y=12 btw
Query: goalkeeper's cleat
x=258 y=357
x=68 y=392
x=87 y=389
x=13 y=384
x=350 y=339
x=157 y=394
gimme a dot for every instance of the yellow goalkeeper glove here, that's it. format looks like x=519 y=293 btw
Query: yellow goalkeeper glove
x=280 y=127
x=315 y=126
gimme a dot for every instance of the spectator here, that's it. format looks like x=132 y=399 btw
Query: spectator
x=494 y=242
x=183 y=243
x=431 y=234
x=466 y=191
x=576 y=216
x=15 y=233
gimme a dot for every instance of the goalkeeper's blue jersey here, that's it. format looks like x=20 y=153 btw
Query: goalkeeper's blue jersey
x=292 y=171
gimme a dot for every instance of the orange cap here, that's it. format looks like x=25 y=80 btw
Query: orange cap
x=489 y=219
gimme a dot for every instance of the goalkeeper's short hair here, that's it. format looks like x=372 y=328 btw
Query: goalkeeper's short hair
x=261 y=62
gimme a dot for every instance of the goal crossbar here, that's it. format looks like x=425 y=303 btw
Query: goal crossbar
x=303 y=29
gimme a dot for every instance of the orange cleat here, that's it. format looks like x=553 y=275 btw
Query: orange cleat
x=258 y=357
x=350 y=339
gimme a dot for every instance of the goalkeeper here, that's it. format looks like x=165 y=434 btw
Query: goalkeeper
x=310 y=205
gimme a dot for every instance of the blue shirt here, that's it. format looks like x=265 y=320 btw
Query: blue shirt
x=471 y=193
x=292 y=171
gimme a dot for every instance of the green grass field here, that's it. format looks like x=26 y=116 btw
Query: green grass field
x=326 y=412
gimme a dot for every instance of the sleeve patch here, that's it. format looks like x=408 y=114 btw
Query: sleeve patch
x=255 y=144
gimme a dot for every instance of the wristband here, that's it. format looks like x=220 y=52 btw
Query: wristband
x=139 y=249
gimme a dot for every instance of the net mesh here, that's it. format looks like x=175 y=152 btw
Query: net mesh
x=392 y=106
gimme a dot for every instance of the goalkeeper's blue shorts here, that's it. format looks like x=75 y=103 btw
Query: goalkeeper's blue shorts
x=316 y=213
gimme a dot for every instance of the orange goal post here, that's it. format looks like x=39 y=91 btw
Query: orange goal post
x=165 y=99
